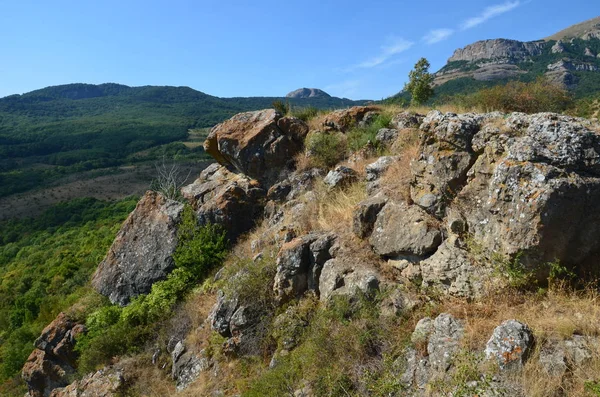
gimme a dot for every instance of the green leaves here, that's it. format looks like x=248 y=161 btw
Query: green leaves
x=419 y=82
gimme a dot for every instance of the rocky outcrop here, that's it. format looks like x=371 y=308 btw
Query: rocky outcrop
x=303 y=93
x=231 y=200
x=498 y=49
x=444 y=159
x=343 y=120
x=142 y=251
x=534 y=192
x=300 y=263
x=258 y=144
x=53 y=361
x=107 y=382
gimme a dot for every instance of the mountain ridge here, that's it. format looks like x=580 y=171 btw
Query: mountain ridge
x=573 y=64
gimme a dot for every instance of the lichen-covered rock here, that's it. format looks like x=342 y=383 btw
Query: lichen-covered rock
x=259 y=144
x=510 y=345
x=343 y=120
x=342 y=276
x=107 y=382
x=299 y=265
x=53 y=361
x=451 y=270
x=444 y=158
x=386 y=136
x=404 y=231
x=441 y=338
x=405 y=120
x=340 y=176
x=365 y=215
x=187 y=366
x=444 y=341
x=231 y=200
x=536 y=192
x=142 y=252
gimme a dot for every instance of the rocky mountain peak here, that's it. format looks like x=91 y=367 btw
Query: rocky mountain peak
x=498 y=49
x=303 y=93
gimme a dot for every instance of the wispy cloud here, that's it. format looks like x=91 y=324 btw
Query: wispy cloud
x=437 y=35
x=489 y=13
x=395 y=46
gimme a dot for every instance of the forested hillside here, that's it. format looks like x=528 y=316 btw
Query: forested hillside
x=55 y=131
x=45 y=265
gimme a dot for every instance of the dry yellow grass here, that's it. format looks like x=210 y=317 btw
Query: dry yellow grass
x=556 y=316
x=395 y=182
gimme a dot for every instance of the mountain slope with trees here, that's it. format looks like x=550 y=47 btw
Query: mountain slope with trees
x=59 y=130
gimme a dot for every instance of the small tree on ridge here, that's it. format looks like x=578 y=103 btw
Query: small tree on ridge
x=419 y=82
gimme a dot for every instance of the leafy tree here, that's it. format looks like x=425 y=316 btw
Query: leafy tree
x=419 y=82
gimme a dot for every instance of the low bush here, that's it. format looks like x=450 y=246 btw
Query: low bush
x=516 y=96
x=359 y=137
x=326 y=149
x=306 y=113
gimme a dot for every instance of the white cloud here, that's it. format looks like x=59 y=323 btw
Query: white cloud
x=490 y=12
x=395 y=46
x=437 y=35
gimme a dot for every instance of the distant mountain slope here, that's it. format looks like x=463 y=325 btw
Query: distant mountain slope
x=591 y=26
x=63 y=129
x=573 y=62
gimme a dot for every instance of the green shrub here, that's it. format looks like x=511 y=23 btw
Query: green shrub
x=306 y=113
x=343 y=335
x=517 y=96
x=326 y=149
x=281 y=107
x=359 y=137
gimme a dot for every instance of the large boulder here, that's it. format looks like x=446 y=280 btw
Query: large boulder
x=258 y=144
x=222 y=197
x=403 y=230
x=534 y=191
x=445 y=156
x=142 y=252
x=53 y=361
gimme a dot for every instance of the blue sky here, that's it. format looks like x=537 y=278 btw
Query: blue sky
x=353 y=49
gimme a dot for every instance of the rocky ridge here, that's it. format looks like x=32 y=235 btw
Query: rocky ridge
x=559 y=56
x=482 y=187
